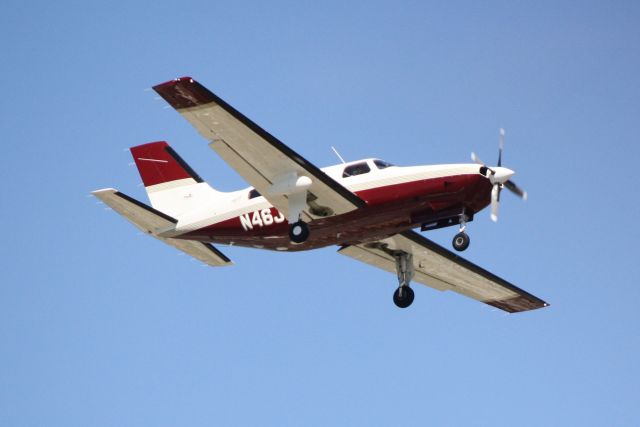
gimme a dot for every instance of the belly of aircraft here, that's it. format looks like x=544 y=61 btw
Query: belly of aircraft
x=389 y=210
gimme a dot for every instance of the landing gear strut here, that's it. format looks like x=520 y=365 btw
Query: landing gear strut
x=403 y=296
x=294 y=187
x=298 y=229
x=461 y=240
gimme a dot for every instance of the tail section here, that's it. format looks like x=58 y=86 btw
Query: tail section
x=172 y=186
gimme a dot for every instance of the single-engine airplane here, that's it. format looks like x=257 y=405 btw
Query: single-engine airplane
x=368 y=207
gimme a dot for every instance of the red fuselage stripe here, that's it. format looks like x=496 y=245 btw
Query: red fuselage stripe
x=390 y=209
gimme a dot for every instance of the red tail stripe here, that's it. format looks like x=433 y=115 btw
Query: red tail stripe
x=158 y=163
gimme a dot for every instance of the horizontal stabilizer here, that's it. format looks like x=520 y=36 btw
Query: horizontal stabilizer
x=154 y=222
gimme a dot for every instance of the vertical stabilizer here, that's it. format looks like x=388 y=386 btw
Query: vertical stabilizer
x=172 y=186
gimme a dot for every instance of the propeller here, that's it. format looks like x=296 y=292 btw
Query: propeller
x=499 y=177
x=500 y=147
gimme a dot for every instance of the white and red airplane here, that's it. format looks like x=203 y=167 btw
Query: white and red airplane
x=367 y=207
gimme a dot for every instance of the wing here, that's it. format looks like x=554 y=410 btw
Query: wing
x=153 y=222
x=259 y=157
x=443 y=270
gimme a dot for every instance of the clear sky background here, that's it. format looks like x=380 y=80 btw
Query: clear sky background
x=102 y=326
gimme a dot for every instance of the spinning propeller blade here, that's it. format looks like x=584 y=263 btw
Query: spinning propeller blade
x=496 y=176
x=516 y=190
x=495 y=202
x=501 y=147
x=476 y=159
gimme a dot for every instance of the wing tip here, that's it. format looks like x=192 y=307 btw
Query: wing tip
x=184 y=92
x=174 y=81
x=518 y=304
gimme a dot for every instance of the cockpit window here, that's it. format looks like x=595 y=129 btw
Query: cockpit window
x=254 y=193
x=381 y=164
x=357 y=169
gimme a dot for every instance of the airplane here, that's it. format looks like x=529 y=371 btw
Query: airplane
x=369 y=208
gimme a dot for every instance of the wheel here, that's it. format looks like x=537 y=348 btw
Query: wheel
x=403 y=296
x=298 y=232
x=461 y=241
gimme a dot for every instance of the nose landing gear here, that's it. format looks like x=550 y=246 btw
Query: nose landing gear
x=461 y=240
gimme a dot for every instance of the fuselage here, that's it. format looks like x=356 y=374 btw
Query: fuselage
x=397 y=199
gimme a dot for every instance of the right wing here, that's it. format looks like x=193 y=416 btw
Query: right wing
x=153 y=222
x=443 y=270
x=259 y=157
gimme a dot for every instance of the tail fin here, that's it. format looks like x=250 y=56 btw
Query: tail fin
x=172 y=186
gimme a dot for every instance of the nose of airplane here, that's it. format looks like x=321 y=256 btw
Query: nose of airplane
x=501 y=174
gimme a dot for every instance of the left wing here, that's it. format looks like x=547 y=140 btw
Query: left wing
x=443 y=270
x=260 y=158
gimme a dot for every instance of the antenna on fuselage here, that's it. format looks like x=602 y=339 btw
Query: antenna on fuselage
x=337 y=154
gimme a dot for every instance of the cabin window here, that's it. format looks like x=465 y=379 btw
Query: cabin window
x=357 y=169
x=254 y=193
x=381 y=164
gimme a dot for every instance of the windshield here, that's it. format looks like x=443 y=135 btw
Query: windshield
x=381 y=164
x=357 y=169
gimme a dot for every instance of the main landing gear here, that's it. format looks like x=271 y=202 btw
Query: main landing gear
x=461 y=240
x=294 y=187
x=403 y=296
x=298 y=231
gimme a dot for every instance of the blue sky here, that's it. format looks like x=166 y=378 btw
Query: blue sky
x=100 y=325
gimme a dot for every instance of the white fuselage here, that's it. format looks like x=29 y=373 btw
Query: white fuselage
x=228 y=205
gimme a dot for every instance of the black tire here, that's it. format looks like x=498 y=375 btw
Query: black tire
x=299 y=232
x=403 y=297
x=461 y=241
